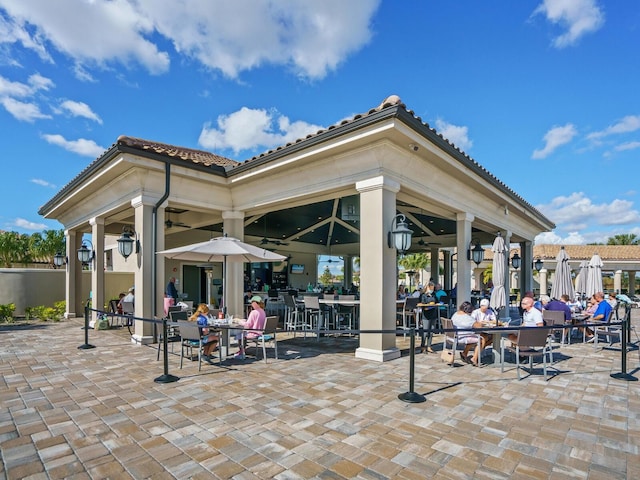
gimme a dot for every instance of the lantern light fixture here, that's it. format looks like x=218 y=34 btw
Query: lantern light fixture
x=86 y=255
x=399 y=236
x=475 y=253
x=126 y=243
x=59 y=260
x=516 y=261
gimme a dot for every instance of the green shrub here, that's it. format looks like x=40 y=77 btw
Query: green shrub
x=6 y=312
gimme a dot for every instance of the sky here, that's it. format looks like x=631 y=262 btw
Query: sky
x=542 y=93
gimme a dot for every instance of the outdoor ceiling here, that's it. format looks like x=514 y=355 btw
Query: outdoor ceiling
x=328 y=223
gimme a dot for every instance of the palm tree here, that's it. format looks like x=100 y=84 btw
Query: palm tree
x=624 y=239
x=47 y=245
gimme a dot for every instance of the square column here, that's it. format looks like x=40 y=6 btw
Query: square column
x=143 y=273
x=377 y=269
x=526 y=275
x=233 y=226
x=463 y=240
x=73 y=277
x=435 y=265
x=97 y=266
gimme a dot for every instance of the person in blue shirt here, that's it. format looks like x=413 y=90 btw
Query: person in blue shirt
x=171 y=290
x=602 y=312
x=209 y=341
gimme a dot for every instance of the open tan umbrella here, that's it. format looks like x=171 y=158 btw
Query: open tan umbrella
x=562 y=284
x=498 y=295
x=222 y=249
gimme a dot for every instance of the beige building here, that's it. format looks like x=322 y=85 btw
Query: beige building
x=336 y=192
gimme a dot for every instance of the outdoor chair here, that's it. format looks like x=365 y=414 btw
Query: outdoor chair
x=313 y=315
x=451 y=337
x=611 y=332
x=173 y=332
x=268 y=335
x=556 y=318
x=128 y=310
x=345 y=314
x=408 y=313
x=293 y=314
x=191 y=339
x=532 y=342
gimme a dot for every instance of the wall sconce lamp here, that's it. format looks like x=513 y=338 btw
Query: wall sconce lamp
x=475 y=253
x=84 y=254
x=400 y=235
x=538 y=264
x=59 y=260
x=516 y=261
x=126 y=243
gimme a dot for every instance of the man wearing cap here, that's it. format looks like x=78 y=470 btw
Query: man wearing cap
x=417 y=292
x=129 y=297
x=484 y=314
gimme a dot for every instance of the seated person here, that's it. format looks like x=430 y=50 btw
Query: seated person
x=601 y=313
x=439 y=293
x=575 y=305
x=402 y=293
x=531 y=317
x=613 y=300
x=256 y=321
x=209 y=341
x=461 y=320
x=484 y=314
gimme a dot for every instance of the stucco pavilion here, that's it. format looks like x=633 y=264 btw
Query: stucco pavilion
x=334 y=192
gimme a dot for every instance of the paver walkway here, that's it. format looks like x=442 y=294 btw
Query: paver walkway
x=317 y=412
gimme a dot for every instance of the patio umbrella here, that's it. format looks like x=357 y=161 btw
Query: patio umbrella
x=581 y=281
x=594 y=278
x=562 y=284
x=222 y=249
x=498 y=295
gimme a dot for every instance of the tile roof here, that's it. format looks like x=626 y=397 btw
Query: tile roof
x=580 y=252
x=200 y=157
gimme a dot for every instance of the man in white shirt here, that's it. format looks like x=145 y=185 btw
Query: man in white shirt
x=531 y=317
x=483 y=314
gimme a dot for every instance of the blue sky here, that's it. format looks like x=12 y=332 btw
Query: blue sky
x=543 y=94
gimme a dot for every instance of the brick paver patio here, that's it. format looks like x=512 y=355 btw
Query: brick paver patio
x=317 y=412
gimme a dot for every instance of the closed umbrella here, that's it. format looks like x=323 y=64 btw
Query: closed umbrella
x=581 y=281
x=498 y=295
x=562 y=284
x=594 y=278
x=222 y=249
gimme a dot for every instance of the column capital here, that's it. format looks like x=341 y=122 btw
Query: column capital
x=96 y=221
x=378 y=183
x=142 y=200
x=465 y=216
x=232 y=215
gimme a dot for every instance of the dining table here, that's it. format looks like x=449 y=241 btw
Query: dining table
x=335 y=302
x=223 y=327
x=497 y=329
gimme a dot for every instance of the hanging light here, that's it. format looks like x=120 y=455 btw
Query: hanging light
x=475 y=253
x=59 y=259
x=538 y=264
x=84 y=254
x=516 y=261
x=126 y=243
x=400 y=234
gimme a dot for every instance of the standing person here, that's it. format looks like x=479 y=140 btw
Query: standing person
x=256 y=321
x=209 y=342
x=171 y=290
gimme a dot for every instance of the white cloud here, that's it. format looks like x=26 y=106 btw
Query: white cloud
x=27 y=112
x=578 y=17
x=576 y=212
x=109 y=31
x=555 y=138
x=248 y=129
x=630 y=123
x=312 y=38
x=43 y=183
x=627 y=146
x=80 y=109
x=34 y=83
x=84 y=147
x=457 y=135
x=572 y=238
x=27 y=225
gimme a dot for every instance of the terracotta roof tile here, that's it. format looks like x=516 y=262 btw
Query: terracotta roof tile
x=580 y=252
x=187 y=154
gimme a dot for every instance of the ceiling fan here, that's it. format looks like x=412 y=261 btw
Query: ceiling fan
x=422 y=243
x=169 y=223
x=266 y=241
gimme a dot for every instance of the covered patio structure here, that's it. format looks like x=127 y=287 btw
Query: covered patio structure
x=335 y=192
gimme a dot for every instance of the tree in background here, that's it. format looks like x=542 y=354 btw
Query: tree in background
x=47 y=244
x=16 y=248
x=326 y=278
x=414 y=261
x=624 y=239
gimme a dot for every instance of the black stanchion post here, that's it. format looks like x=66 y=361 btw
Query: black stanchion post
x=86 y=345
x=623 y=375
x=165 y=377
x=411 y=396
